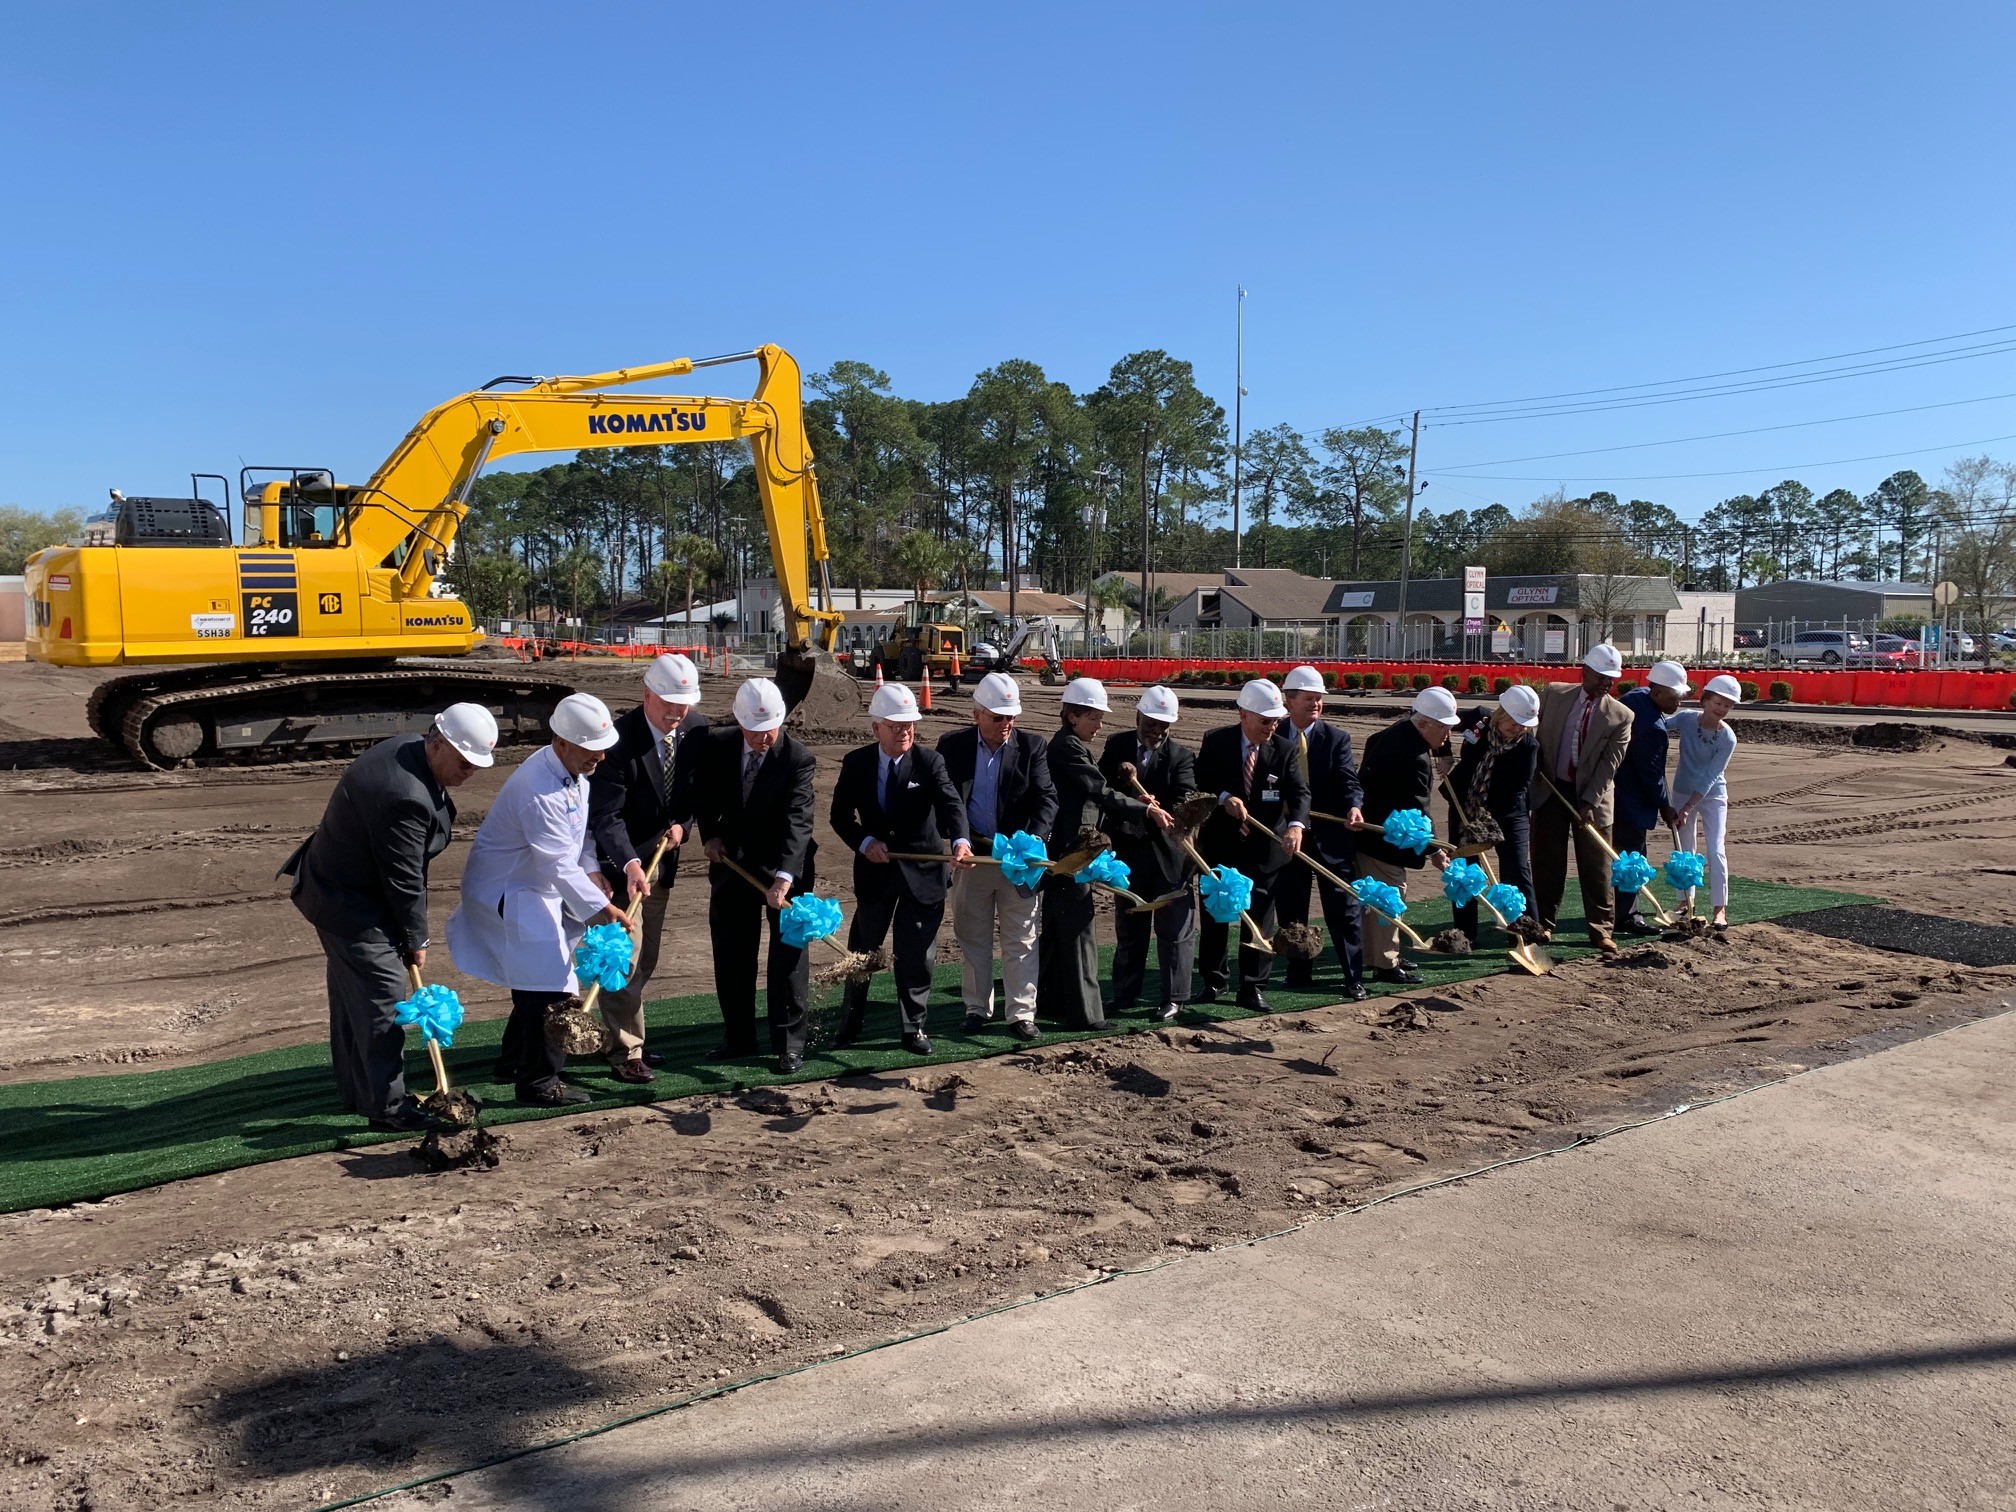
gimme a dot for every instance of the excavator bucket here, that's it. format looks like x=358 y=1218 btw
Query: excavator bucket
x=819 y=695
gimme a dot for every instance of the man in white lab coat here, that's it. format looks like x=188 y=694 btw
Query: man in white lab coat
x=531 y=890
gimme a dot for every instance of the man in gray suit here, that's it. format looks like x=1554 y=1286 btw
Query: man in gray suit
x=361 y=880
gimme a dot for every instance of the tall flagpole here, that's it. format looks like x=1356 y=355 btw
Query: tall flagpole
x=1238 y=435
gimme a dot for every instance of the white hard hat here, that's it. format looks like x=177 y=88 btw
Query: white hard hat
x=673 y=678
x=1303 y=680
x=1261 y=697
x=1727 y=686
x=1087 y=693
x=758 y=705
x=1668 y=675
x=471 y=729
x=582 y=719
x=895 y=702
x=1521 y=703
x=1604 y=660
x=1438 y=704
x=997 y=694
x=1157 y=703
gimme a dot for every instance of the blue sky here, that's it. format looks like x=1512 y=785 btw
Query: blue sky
x=279 y=233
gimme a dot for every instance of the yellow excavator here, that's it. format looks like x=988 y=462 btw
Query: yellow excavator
x=289 y=642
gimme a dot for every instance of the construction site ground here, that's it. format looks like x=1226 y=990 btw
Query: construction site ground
x=302 y=1331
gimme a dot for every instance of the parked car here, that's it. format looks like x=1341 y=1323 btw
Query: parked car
x=1893 y=652
x=1750 y=640
x=1831 y=648
x=2002 y=640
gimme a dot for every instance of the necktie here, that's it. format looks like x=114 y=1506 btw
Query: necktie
x=1302 y=753
x=888 y=786
x=665 y=751
x=750 y=762
x=1581 y=734
x=1252 y=760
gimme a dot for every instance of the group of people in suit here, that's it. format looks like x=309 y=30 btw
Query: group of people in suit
x=596 y=820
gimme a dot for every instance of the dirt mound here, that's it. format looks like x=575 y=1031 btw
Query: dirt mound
x=463 y=1149
x=1885 y=735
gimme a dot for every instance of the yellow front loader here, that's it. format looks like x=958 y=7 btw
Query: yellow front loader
x=291 y=640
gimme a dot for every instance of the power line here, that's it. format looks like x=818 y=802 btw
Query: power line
x=1729 y=373
x=1721 y=435
x=1782 y=469
x=1723 y=391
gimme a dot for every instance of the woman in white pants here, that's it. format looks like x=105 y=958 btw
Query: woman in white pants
x=1706 y=743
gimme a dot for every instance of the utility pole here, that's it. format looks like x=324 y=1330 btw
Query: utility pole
x=1146 y=512
x=1407 y=536
x=1238 y=432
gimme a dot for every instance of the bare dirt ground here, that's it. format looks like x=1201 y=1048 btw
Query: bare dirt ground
x=319 y=1327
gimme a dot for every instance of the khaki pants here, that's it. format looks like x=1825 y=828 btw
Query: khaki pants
x=623 y=1011
x=1382 y=938
x=983 y=900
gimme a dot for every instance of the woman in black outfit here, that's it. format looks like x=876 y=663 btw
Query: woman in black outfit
x=1495 y=768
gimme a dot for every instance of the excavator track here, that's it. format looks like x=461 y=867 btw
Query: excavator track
x=188 y=715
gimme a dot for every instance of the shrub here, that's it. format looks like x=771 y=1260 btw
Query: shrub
x=1781 y=692
x=1396 y=680
x=1276 y=677
x=1476 y=683
x=1331 y=680
x=1347 y=680
x=1418 y=681
x=1500 y=684
x=1449 y=681
x=1748 y=690
x=1625 y=685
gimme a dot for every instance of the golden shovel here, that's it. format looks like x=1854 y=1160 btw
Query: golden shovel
x=1467 y=852
x=1524 y=954
x=852 y=965
x=1609 y=850
x=1302 y=854
x=1255 y=939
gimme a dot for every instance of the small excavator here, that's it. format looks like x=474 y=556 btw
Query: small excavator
x=297 y=639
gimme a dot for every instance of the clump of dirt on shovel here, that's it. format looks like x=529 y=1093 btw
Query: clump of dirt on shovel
x=1451 y=942
x=1298 y=942
x=452 y=1107
x=1688 y=927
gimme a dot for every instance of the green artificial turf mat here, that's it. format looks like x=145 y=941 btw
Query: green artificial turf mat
x=86 y=1137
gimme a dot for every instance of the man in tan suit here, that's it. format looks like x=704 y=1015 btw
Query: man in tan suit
x=1583 y=735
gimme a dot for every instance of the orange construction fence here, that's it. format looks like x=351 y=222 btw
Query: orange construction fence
x=1993 y=688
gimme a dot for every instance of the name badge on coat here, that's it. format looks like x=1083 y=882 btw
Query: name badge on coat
x=1272 y=792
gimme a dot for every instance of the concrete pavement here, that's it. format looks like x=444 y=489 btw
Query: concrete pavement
x=1801 y=1298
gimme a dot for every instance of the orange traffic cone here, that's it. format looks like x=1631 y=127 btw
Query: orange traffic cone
x=925 y=701
x=878 y=672
x=955 y=669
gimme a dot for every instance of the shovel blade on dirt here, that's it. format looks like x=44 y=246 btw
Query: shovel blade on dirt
x=1530 y=958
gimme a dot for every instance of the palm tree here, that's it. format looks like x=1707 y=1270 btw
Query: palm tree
x=923 y=560
x=691 y=555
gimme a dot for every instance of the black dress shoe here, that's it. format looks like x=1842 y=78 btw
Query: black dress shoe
x=917 y=1044
x=1252 y=1000
x=1204 y=995
x=559 y=1095
x=1025 y=1030
x=973 y=1023
x=790 y=1061
x=1405 y=976
x=652 y=1058
x=1167 y=1013
x=1637 y=926
x=1357 y=992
